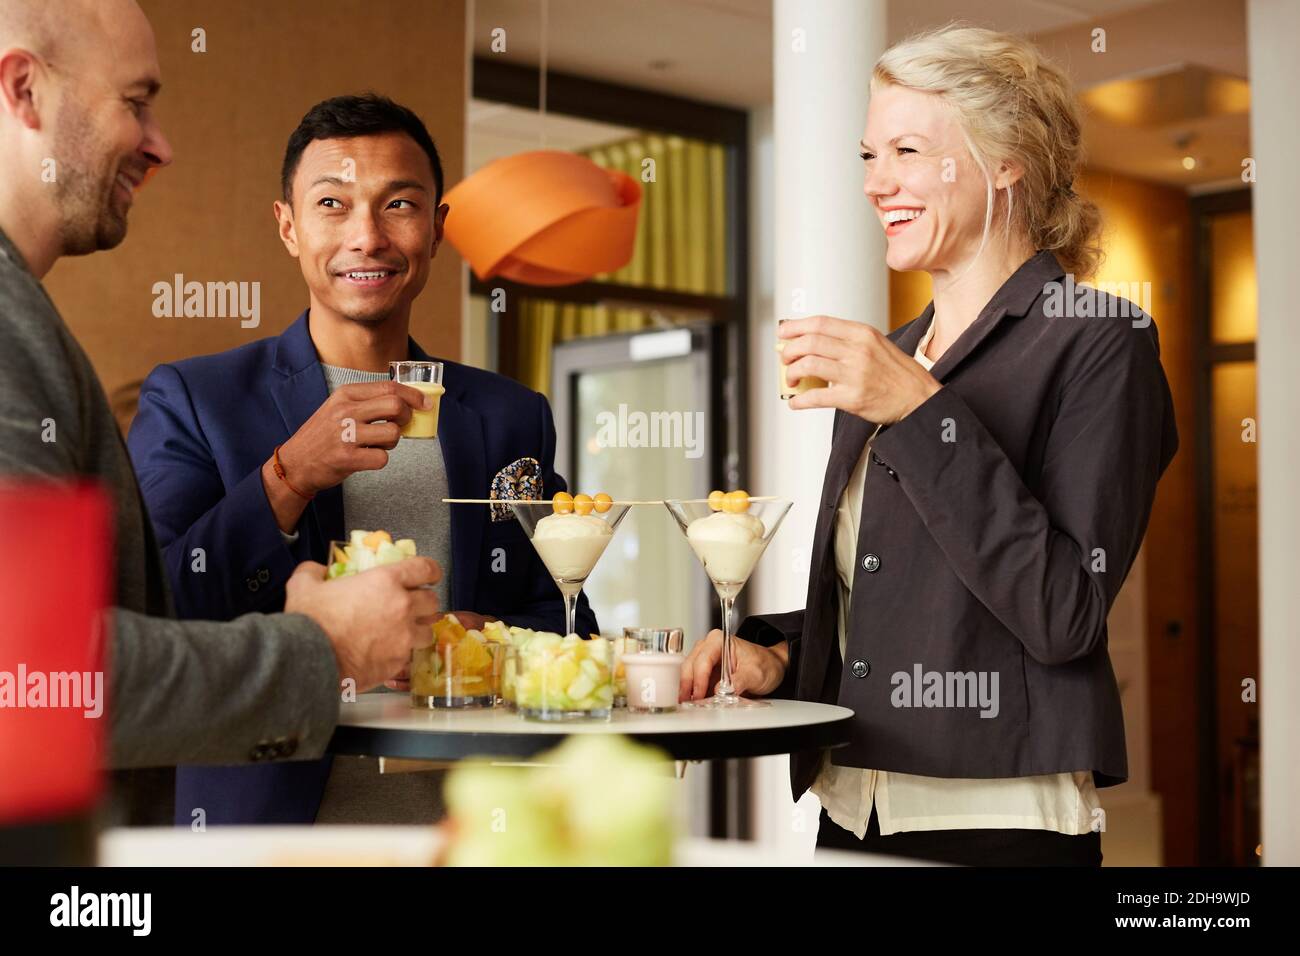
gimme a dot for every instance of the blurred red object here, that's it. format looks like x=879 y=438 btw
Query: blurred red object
x=55 y=584
x=544 y=218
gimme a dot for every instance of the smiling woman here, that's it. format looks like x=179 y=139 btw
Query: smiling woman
x=992 y=469
x=972 y=118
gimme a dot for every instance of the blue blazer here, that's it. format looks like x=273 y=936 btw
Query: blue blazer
x=205 y=427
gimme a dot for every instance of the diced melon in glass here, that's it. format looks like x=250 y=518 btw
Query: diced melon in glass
x=544 y=639
x=581 y=687
x=389 y=553
x=562 y=672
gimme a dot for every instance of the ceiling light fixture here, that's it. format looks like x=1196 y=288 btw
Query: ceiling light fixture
x=544 y=217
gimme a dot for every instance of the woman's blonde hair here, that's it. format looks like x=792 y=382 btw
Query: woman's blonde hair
x=1016 y=106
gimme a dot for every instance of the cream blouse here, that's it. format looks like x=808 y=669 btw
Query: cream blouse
x=1063 y=802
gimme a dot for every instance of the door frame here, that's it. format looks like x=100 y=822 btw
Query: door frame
x=1207 y=354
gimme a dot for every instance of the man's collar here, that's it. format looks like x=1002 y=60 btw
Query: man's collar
x=295 y=351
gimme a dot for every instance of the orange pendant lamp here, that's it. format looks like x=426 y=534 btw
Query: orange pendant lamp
x=544 y=218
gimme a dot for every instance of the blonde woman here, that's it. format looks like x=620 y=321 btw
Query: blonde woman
x=991 y=475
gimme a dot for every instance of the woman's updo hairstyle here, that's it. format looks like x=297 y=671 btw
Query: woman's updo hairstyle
x=1016 y=106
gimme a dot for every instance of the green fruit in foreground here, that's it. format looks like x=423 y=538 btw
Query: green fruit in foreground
x=599 y=800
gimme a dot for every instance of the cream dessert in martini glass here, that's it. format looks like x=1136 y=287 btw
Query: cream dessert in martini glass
x=728 y=533
x=570 y=533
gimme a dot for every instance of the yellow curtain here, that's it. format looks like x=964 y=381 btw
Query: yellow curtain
x=681 y=244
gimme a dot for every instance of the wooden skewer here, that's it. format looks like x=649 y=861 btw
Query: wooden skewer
x=547 y=501
x=751 y=498
x=527 y=501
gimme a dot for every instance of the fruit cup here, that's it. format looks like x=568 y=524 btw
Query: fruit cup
x=509 y=670
x=459 y=669
x=365 y=550
x=564 y=678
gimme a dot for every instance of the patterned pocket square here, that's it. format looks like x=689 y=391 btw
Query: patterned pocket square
x=520 y=479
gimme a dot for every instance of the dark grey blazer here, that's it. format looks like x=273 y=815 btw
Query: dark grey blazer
x=999 y=520
x=261 y=688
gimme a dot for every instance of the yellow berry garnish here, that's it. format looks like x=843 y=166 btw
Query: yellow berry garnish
x=562 y=503
x=603 y=503
x=736 y=502
x=582 y=504
x=716 y=499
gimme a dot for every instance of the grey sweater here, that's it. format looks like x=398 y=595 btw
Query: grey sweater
x=396 y=498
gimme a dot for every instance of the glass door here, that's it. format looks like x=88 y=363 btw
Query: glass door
x=634 y=416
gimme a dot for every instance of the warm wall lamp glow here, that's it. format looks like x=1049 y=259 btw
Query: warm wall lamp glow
x=1189 y=162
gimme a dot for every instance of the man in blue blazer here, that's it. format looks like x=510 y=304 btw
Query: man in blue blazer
x=253 y=460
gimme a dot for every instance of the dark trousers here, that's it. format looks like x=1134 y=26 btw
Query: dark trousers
x=968 y=847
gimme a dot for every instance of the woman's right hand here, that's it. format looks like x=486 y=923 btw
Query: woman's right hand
x=757 y=670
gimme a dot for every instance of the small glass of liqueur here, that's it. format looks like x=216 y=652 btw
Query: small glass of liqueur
x=425 y=377
x=806 y=384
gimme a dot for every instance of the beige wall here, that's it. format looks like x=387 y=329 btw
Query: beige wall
x=228 y=113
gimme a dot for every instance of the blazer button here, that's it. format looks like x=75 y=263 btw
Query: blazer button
x=889 y=471
x=252 y=584
x=860 y=668
x=870 y=563
x=263 y=575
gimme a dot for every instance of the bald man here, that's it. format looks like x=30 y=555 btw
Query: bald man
x=78 y=80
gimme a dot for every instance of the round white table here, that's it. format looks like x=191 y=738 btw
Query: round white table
x=400 y=846
x=386 y=725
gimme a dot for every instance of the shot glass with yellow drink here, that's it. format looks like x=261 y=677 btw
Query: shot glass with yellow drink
x=425 y=377
x=806 y=384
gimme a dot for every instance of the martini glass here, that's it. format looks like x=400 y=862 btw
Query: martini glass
x=728 y=545
x=569 y=544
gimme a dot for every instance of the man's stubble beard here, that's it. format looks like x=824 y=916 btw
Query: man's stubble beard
x=374 y=318
x=371 y=320
x=87 y=220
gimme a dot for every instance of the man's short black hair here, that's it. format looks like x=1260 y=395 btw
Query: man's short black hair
x=366 y=115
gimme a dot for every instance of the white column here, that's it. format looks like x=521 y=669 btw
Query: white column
x=1272 y=26
x=817 y=249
